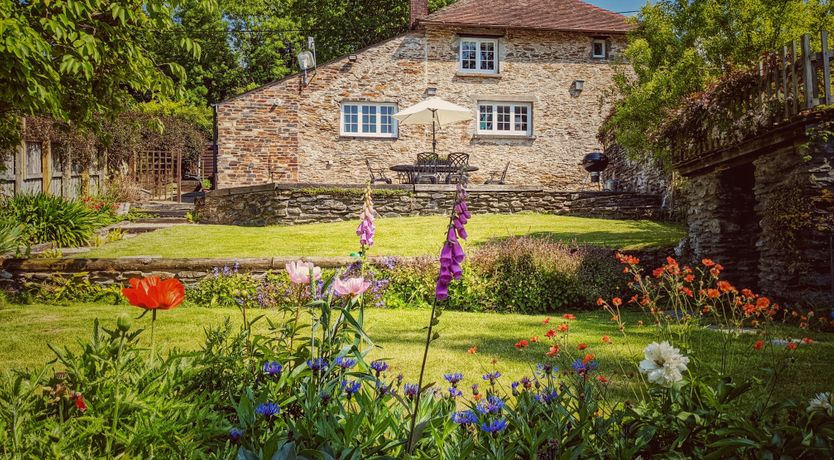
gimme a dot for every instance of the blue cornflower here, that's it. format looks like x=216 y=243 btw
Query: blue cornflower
x=453 y=378
x=351 y=387
x=411 y=390
x=494 y=426
x=546 y=369
x=268 y=409
x=325 y=397
x=475 y=389
x=379 y=367
x=345 y=363
x=546 y=396
x=273 y=369
x=235 y=434
x=582 y=367
x=493 y=404
x=384 y=389
x=514 y=387
x=464 y=417
x=492 y=377
x=527 y=382
x=317 y=364
x=454 y=392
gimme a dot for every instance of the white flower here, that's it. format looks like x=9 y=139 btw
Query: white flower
x=664 y=364
x=822 y=402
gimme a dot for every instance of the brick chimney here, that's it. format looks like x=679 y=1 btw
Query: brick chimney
x=417 y=9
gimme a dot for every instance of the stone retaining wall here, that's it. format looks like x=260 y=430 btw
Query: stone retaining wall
x=17 y=273
x=290 y=204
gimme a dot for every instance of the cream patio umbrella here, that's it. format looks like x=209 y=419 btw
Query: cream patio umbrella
x=434 y=111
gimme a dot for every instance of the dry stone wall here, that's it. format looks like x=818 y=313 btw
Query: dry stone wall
x=289 y=132
x=290 y=204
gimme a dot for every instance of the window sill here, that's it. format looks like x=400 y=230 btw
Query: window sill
x=477 y=75
x=514 y=137
x=370 y=138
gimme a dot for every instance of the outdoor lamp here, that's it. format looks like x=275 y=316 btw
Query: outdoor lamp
x=576 y=87
x=306 y=61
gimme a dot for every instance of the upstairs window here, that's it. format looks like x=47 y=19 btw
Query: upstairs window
x=598 y=50
x=368 y=119
x=479 y=55
x=505 y=119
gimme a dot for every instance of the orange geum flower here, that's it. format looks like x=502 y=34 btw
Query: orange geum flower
x=707 y=262
x=807 y=340
x=758 y=345
x=569 y=317
x=602 y=379
x=725 y=286
x=563 y=327
x=762 y=303
x=522 y=344
x=600 y=302
x=617 y=301
x=791 y=346
x=582 y=346
x=588 y=358
x=713 y=293
x=472 y=350
x=689 y=278
x=606 y=339
x=550 y=334
x=546 y=321
x=534 y=339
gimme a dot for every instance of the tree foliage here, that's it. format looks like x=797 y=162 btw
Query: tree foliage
x=82 y=61
x=679 y=47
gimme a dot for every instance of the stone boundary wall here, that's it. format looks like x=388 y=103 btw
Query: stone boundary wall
x=290 y=204
x=15 y=273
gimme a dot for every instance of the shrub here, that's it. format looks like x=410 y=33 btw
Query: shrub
x=526 y=275
x=48 y=218
x=11 y=238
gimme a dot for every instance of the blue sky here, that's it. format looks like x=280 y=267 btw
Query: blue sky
x=618 y=5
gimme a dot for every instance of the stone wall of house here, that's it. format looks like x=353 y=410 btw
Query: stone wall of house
x=770 y=222
x=289 y=204
x=289 y=132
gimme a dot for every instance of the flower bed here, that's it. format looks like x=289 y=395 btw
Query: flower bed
x=307 y=388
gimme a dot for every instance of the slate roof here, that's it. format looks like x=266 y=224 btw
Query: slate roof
x=561 y=15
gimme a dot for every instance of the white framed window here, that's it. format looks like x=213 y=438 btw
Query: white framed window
x=513 y=119
x=368 y=119
x=598 y=48
x=478 y=55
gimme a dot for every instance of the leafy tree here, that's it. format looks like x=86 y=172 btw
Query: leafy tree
x=81 y=60
x=679 y=47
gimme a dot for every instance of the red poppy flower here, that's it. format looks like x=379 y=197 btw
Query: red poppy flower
x=550 y=334
x=563 y=327
x=807 y=340
x=606 y=339
x=791 y=346
x=79 y=401
x=569 y=317
x=472 y=350
x=522 y=344
x=546 y=321
x=152 y=293
x=758 y=345
x=554 y=350
x=588 y=358
x=602 y=379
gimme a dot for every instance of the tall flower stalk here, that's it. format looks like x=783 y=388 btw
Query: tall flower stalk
x=451 y=258
x=366 y=229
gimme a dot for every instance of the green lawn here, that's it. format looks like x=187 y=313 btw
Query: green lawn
x=402 y=236
x=28 y=328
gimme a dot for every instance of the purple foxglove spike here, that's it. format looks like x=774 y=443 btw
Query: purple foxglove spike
x=459 y=227
x=457 y=252
x=462 y=232
x=446 y=254
x=457 y=271
x=441 y=291
x=451 y=236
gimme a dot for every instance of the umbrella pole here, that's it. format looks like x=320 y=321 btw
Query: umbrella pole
x=433 y=138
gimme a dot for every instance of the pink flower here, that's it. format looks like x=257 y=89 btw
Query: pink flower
x=350 y=287
x=300 y=272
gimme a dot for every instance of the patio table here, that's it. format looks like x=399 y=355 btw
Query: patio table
x=412 y=171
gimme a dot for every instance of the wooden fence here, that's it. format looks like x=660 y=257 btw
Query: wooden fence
x=783 y=88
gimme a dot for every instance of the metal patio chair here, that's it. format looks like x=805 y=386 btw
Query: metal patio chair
x=458 y=161
x=496 y=179
x=427 y=163
x=377 y=175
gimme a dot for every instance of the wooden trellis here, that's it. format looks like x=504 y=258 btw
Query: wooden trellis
x=159 y=172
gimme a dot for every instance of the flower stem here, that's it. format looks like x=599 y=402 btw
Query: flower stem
x=153 y=322
x=411 y=439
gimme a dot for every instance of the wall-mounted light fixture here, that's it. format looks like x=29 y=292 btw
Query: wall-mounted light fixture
x=431 y=91
x=306 y=61
x=576 y=87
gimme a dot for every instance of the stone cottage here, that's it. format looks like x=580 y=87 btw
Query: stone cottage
x=534 y=73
